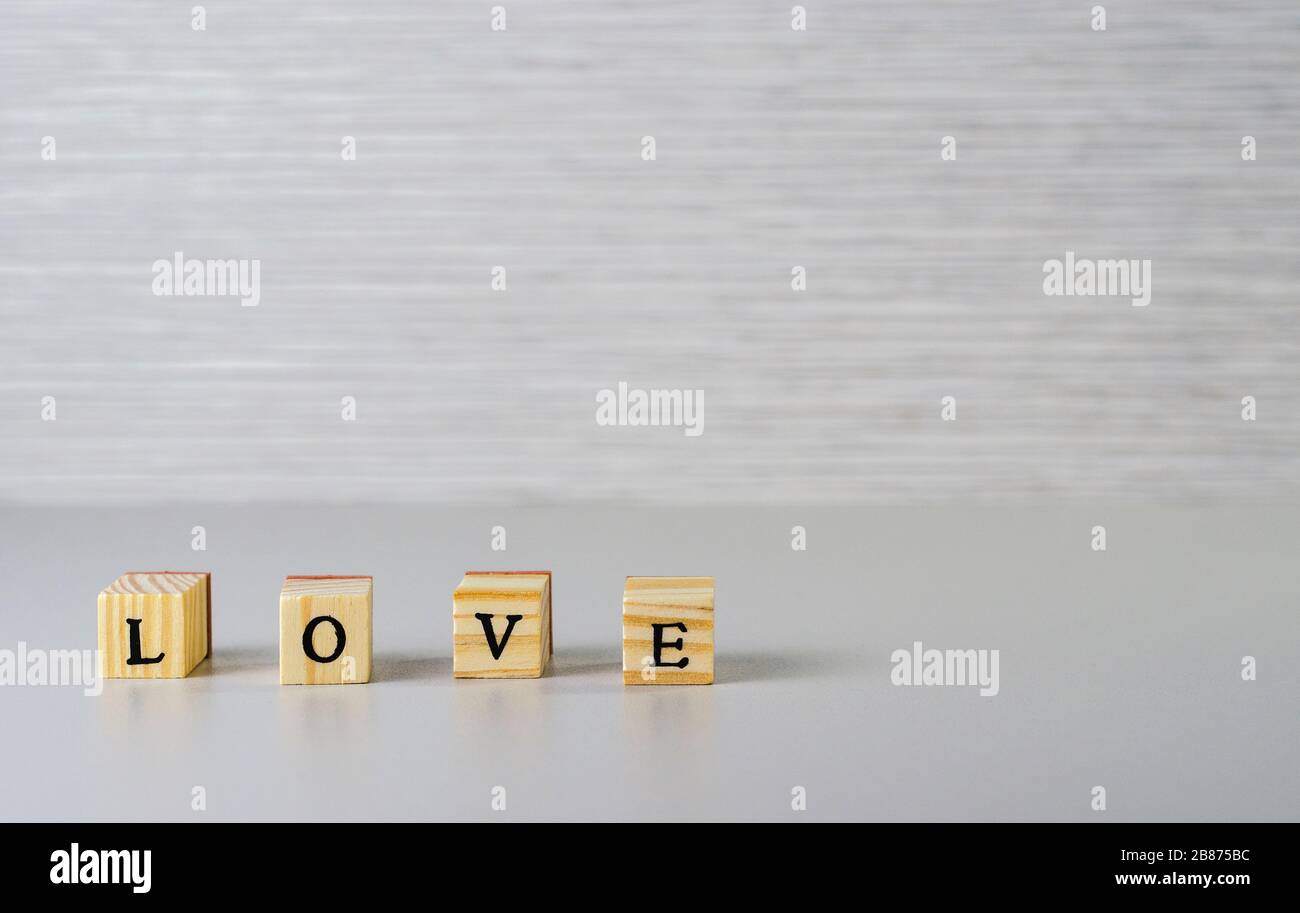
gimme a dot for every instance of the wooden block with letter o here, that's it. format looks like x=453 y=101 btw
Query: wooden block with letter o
x=325 y=630
x=668 y=631
x=155 y=625
x=501 y=624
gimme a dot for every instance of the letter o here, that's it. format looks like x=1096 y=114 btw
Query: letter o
x=339 y=633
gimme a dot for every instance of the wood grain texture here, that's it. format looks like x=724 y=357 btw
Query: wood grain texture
x=528 y=646
x=345 y=599
x=175 y=609
x=775 y=148
x=684 y=607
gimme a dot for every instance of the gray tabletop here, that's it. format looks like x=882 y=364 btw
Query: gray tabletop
x=1119 y=669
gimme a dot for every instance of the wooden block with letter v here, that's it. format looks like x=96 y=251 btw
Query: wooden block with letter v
x=325 y=630
x=668 y=631
x=501 y=624
x=155 y=625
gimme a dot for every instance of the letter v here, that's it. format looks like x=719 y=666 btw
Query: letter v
x=486 y=619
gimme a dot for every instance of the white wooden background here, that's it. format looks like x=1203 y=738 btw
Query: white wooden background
x=775 y=148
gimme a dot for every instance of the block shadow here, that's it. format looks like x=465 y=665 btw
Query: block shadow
x=385 y=668
x=406 y=668
x=730 y=666
x=783 y=665
x=586 y=661
x=236 y=660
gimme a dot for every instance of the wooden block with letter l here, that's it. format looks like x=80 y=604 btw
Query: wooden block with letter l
x=155 y=625
x=501 y=624
x=668 y=631
x=325 y=630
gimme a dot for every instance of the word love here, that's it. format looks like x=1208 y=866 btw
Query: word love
x=159 y=625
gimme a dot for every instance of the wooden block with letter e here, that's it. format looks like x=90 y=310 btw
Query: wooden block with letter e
x=325 y=630
x=155 y=625
x=501 y=624
x=668 y=631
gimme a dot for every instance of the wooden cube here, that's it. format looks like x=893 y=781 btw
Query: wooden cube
x=325 y=630
x=501 y=624
x=668 y=631
x=155 y=625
